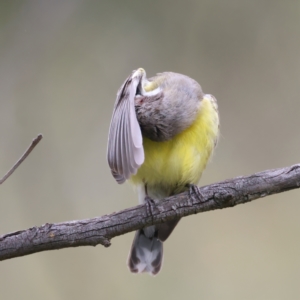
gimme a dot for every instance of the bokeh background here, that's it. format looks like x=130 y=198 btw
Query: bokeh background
x=61 y=64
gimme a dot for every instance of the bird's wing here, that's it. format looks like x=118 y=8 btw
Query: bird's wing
x=125 y=153
x=214 y=103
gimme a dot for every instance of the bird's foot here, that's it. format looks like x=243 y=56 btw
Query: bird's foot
x=150 y=205
x=195 y=193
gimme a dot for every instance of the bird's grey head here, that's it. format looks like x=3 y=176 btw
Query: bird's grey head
x=166 y=104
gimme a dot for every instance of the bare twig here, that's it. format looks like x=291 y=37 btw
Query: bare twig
x=22 y=158
x=100 y=230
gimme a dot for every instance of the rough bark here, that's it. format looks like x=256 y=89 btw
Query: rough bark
x=101 y=230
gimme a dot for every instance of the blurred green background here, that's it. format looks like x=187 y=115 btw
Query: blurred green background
x=61 y=64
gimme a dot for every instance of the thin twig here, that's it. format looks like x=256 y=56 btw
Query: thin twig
x=22 y=158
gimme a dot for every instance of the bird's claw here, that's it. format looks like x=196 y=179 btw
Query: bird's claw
x=150 y=205
x=195 y=193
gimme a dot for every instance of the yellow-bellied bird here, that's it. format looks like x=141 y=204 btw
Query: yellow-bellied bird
x=162 y=134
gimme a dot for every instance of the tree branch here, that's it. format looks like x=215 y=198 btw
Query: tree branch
x=22 y=158
x=101 y=230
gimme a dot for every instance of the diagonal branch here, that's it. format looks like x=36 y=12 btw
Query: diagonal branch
x=101 y=230
x=22 y=158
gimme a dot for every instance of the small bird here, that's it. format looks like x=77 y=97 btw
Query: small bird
x=162 y=133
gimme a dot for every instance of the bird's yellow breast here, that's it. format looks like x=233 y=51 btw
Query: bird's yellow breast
x=181 y=160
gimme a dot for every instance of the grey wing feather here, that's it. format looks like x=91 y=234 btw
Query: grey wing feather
x=125 y=153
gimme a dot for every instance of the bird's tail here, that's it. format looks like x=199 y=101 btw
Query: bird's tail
x=146 y=253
